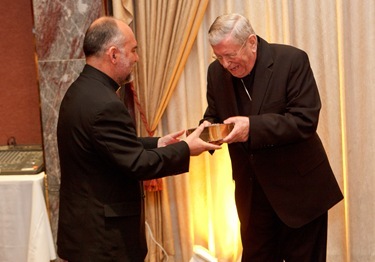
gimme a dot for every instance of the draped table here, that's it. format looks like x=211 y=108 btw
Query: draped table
x=25 y=231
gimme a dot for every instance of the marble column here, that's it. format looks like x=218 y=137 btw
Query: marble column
x=59 y=30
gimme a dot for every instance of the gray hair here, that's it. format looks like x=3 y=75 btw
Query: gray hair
x=101 y=35
x=235 y=25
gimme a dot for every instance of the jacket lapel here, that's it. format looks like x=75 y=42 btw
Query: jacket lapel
x=262 y=75
x=228 y=95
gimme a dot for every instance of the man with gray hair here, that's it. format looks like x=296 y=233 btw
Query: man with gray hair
x=284 y=182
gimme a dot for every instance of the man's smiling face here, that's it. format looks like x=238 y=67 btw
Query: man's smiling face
x=237 y=58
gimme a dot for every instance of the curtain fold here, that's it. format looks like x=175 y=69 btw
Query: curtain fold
x=165 y=31
x=123 y=9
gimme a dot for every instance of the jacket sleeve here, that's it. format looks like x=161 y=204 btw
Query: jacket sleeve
x=114 y=135
x=149 y=142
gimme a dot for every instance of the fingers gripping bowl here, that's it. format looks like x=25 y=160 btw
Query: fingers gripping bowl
x=213 y=133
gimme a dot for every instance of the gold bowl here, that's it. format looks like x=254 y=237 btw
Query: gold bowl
x=214 y=132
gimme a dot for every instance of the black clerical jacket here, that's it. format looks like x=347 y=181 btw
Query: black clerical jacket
x=284 y=152
x=102 y=163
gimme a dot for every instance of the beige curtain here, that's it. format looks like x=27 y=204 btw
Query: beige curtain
x=198 y=208
x=165 y=31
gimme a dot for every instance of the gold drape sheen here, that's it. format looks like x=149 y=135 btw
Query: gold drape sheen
x=123 y=9
x=165 y=31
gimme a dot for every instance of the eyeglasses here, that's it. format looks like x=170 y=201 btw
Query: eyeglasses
x=230 y=56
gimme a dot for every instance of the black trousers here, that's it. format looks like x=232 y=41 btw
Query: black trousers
x=268 y=239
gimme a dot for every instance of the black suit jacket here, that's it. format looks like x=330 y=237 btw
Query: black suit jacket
x=283 y=152
x=102 y=163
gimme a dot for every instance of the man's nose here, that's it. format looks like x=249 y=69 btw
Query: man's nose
x=226 y=62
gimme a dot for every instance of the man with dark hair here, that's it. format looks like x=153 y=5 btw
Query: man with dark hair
x=284 y=182
x=103 y=161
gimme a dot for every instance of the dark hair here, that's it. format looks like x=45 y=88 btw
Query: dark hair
x=100 y=35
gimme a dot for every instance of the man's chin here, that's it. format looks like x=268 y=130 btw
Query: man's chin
x=237 y=73
x=128 y=79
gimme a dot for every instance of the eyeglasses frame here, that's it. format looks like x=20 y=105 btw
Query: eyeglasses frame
x=230 y=56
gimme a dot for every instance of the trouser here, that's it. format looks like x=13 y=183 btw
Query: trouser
x=268 y=239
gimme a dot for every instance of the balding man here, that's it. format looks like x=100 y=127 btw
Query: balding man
x=103 y=161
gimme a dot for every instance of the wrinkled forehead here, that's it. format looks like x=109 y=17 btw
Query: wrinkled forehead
x=227 y=42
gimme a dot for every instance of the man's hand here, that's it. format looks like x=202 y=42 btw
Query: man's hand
x=197 y=145
x=206 y=123
x=170 y=138
x=240 y=132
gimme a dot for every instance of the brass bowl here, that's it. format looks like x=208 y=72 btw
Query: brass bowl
x=214 y=132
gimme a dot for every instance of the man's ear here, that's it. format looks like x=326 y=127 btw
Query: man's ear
x=112 y=53
x=253 y=40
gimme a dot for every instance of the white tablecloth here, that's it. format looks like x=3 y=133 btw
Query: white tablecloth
x=25 y=231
